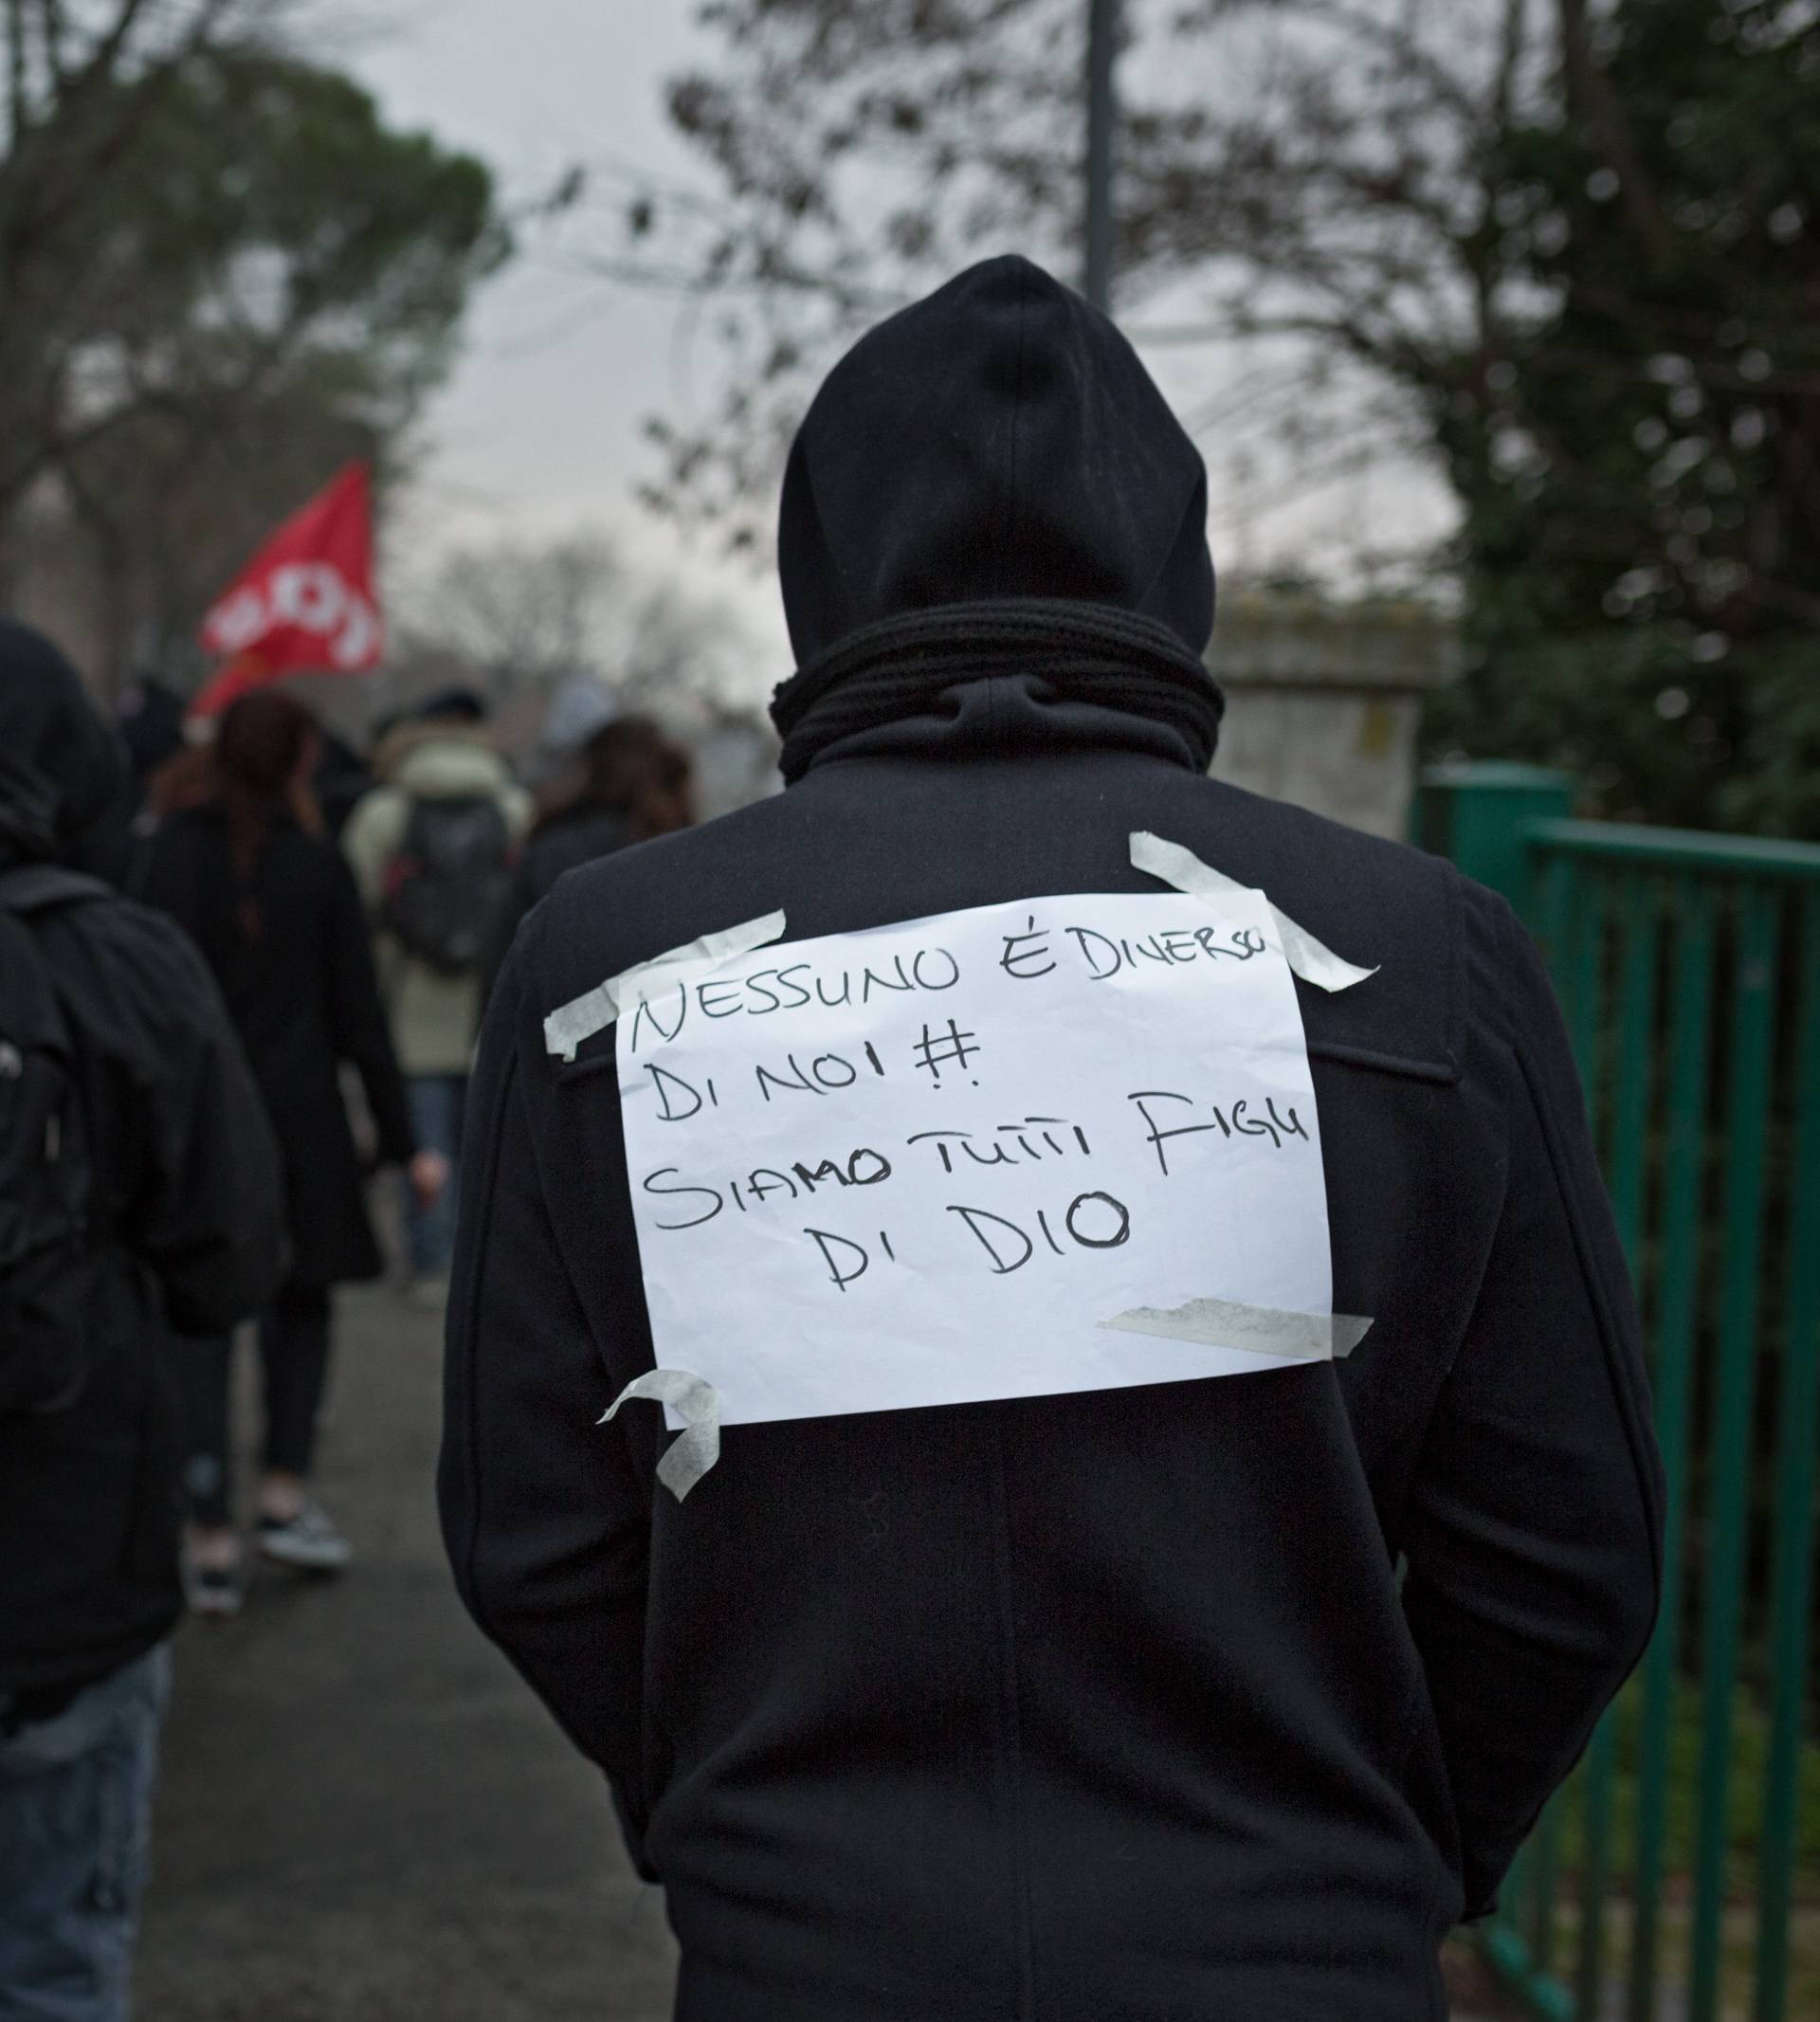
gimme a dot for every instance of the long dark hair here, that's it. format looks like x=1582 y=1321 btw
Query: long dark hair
x=637 y=773
x=260 y=766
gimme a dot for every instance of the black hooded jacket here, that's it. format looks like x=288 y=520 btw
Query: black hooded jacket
x=1104 y=1705
x=185 y=1208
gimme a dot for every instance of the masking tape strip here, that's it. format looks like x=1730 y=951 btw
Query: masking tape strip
x=1259 y=1329
x=1182 y=868
x=566 y=1029
x=697 y=1404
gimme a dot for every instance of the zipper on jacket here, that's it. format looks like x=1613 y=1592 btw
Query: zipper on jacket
x=1009 y=1718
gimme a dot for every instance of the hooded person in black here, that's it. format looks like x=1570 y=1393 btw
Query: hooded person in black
x=182 y=1220
x=1106 y=1704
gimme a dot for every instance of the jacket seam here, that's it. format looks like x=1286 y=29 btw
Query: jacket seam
x=635 y=1801
x=1011 y=1712
x=471 y=1317
x=1453 y=903
x=1438 y=1072
x=1599 y=1293
x=1637 y=1429
x=1009 y=536
x=1446 y=1873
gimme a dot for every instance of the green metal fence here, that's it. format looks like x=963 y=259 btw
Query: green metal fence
x=1678 y=1874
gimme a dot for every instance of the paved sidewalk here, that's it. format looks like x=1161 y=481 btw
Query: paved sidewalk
x=364 y=1815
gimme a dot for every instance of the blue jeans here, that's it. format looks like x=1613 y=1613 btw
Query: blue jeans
x=75 y=1827
x=438 y=1102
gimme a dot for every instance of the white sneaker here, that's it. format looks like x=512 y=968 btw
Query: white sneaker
x=309 y=1540
x=428 y=1294
x=215 y=1591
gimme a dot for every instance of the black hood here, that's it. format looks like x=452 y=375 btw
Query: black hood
x=994 y=454
x=999 y=439
x=63 y=771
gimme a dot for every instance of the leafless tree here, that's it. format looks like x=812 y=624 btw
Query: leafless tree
x=528 y=614
x=85 y=81
x=523 y=617
x=687 y=659
x=1318 y=188
x=220 y=274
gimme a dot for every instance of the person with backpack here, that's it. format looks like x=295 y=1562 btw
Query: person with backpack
x=1039 y=1367
x=246 y=869
x=139 y=1191
x=432 y=848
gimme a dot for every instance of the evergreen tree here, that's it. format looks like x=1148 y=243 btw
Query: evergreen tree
x=1640 y=470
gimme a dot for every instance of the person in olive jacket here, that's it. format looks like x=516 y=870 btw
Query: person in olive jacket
x=182 y=1226
x=1102 y=1705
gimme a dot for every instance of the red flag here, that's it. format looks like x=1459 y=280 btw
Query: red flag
x=304 y=601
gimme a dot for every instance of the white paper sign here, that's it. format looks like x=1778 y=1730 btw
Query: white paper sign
x=949 y=1159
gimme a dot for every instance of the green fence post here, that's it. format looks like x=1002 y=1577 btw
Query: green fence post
x=1545 y=1873
x=1639 y=909
x=1797 y=1465
x=1747 y=1158
x=1693 y=904
x=1480 y=815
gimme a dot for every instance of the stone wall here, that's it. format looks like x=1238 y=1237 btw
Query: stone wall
x=1323 y=702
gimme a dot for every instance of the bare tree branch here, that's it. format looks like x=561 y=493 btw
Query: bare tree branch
x=17 y=99
x=1513 y=45
x=1590 y=99
x=52 y=25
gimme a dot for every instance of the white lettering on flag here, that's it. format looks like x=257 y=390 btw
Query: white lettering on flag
x=313 y=597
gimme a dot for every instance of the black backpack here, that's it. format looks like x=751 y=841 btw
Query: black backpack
x=447 y=882
x=48 y=1257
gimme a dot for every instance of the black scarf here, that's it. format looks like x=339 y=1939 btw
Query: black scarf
x=902 y=666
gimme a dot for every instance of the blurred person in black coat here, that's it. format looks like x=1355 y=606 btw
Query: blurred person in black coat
x=181 y=1225
x=272 y=904
x=150 y=713
x=341 y=776
x=1108 y=1704
x=636 y=783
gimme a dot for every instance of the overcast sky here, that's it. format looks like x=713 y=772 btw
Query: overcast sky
x=538 y=433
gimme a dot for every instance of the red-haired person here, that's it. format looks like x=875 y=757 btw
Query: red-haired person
x=247 y=868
